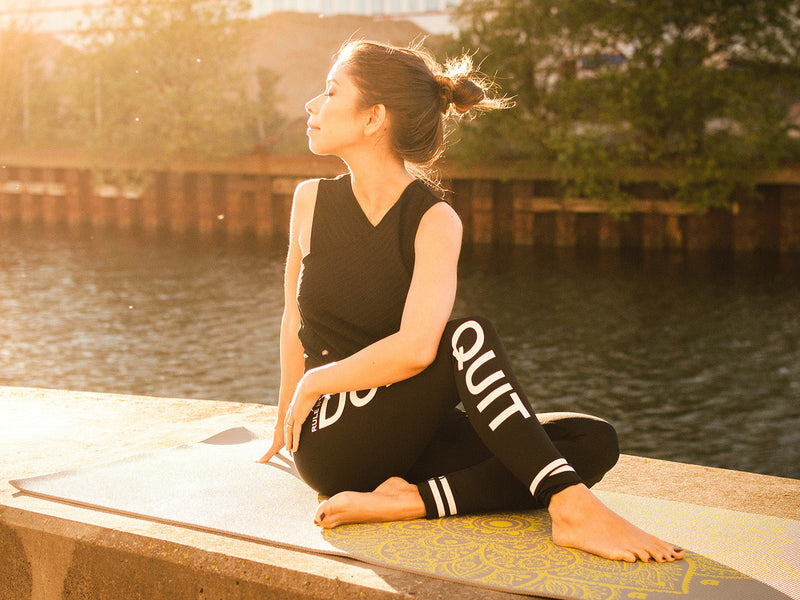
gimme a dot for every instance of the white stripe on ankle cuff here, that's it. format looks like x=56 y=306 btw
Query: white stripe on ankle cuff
x=437 y=497
x=448 y=493
x=559 y=470
x=548 y=470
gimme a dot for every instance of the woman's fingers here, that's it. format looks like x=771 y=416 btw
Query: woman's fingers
x=296 y=437
x=288 y=428
x=266 y=458
x=292 y=431
x=293 y=425
x=277 y=444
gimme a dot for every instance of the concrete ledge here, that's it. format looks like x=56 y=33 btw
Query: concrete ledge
x=51 y=550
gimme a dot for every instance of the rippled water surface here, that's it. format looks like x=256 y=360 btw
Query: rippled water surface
x=694 y=358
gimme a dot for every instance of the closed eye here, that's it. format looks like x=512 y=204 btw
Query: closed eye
x=329 y=87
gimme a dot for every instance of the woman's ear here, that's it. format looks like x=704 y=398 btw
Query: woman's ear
x=376 y=119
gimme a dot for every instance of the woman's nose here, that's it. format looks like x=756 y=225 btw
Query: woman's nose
x=310 y=105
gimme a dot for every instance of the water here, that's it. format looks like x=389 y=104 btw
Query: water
x=694 y=358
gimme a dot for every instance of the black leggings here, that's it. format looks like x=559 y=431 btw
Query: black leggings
x=496 y=454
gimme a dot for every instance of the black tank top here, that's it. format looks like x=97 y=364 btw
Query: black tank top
x=355 y=278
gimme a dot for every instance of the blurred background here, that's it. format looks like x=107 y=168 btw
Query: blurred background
x=633 y=223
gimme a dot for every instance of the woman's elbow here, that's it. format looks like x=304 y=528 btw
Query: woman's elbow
x=420 y=355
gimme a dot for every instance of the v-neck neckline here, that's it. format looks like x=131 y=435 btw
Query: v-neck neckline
x=366 y=219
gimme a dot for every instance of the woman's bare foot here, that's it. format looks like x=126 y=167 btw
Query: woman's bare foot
x=581 y=521
x=393 y=500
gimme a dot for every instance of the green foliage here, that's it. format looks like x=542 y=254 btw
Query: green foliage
x=267 y=120
x=700 y=88
x=161 y=80
x=27 y=94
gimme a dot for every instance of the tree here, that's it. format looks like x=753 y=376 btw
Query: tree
x=269 y=123
x=27 y=97
x=161 y=80
x=700 y=88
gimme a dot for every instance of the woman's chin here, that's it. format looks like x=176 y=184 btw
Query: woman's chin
x=316 y=149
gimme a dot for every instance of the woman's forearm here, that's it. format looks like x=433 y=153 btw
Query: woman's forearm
x=389 y=360
x=292 y=363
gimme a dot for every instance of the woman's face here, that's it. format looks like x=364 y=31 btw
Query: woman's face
x=336 y=117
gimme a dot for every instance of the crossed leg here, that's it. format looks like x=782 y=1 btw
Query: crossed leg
x=472 y=357
x=580 y=520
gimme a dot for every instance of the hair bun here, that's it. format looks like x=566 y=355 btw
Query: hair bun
x=446 y=88
x=460 y=92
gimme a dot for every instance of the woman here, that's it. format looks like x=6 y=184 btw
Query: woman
x=370 y=284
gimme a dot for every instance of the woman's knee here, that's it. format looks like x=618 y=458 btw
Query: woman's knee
x=589 y=443
x=466 y=337
x=474 y=323
x=608 y=443
x=604 y=446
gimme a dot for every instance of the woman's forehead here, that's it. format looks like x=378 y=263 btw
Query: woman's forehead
x=337 y=73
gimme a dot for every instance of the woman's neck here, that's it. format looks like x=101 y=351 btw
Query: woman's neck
x=378 y=184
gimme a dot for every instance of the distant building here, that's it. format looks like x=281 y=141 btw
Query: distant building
x=357 y=7
x=66 y=16
x=431 y=15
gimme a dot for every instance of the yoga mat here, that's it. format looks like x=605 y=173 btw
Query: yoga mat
x=217 y=485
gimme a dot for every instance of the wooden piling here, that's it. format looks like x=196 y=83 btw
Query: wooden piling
x=498 y=205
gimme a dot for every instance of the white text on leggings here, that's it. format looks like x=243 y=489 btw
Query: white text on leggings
x=462 y=356
x=322 y=419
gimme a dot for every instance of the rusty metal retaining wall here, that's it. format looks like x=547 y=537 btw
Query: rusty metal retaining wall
x=252 y=196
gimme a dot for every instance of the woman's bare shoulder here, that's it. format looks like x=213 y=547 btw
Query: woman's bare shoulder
x=306 y=191
x=305 y=196
x=441 y=219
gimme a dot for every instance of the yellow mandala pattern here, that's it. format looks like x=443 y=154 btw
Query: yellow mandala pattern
x=514 y=552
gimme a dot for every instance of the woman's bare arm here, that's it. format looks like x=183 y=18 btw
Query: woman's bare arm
x=291 y=350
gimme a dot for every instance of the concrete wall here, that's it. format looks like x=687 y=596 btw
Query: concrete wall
x=60 y=551
x=499 y=205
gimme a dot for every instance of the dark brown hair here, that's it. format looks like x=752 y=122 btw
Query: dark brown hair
x=419 y=95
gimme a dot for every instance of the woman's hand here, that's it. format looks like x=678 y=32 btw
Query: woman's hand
x=277 y=443
x=287 y=430
x=291 y=350
x=304 y=398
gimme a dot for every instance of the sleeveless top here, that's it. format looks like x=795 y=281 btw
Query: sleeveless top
x=355 y=279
